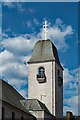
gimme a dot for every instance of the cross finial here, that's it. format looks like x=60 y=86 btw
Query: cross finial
x=45 y=27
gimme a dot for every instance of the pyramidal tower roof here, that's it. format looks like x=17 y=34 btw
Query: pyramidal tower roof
x=44 y=51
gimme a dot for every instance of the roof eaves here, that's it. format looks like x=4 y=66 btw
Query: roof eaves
x=40 y=61
x=26 y=111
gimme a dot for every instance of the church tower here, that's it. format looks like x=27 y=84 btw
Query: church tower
x=45 y=78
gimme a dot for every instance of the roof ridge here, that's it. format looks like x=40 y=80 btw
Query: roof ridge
x=41 y=103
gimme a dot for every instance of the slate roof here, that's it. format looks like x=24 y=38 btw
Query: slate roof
x=35 y=105
x=43 y=51
x=11 y=96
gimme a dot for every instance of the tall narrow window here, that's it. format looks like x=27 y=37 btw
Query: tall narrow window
x=58 y=73
x=3 y=113
x=22 y=118
x=60 y=79
x=12 y=115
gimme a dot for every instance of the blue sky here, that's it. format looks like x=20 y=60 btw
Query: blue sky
x=22 y=26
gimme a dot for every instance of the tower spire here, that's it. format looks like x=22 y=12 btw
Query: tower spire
x=45 y=27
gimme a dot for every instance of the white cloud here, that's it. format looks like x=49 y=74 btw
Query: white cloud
x=25 y=58
x=66 y=75
x=71 y=104
x=12 y=67
x=70 y=95
x=13 y=4
x=70 y=75
x=19 y=45
x=58 y=35
x=0 y=33
x=14 y=70
x=5 y=57
x=0 y=30
x=71 y=82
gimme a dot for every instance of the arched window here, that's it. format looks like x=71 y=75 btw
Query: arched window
x=41 y=71
x=41 y=75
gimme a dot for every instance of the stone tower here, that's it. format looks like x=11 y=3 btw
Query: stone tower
x=45 y=78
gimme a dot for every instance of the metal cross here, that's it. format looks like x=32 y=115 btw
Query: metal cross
x=45 y=27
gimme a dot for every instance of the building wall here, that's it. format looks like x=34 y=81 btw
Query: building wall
x=38 y=114
x=35 y=90
x=48 y=116
x=8 y=109
x=53 y=88
x=42 y=115
x=53 y=92
x=0 y=109
x=58 y=93
x=0 y=100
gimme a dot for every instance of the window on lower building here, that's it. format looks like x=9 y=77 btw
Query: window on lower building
x=12 y=115
x=22 y=118
x=3 y=113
